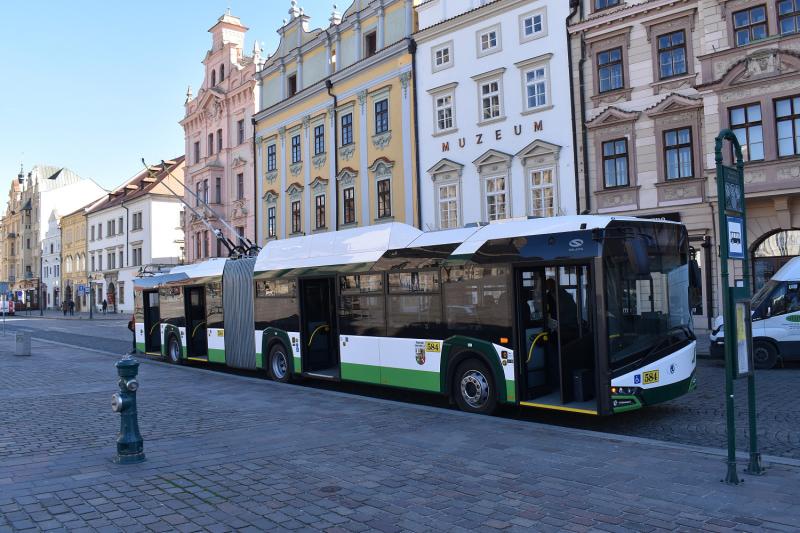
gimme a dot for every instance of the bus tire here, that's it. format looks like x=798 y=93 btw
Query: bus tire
x=764 y=355
x=278 y=365
x=473 y=388
x=174 y=351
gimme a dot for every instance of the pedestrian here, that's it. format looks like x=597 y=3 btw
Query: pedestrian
x=64 y=307
x=105 y=306
x=71 y=307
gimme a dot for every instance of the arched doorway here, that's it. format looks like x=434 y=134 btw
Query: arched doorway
x=771 y=253
x=110 y=292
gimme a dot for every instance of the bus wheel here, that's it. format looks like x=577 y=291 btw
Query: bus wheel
x=279 y=364
x=174 y=351
x=473 y=388
x=764 y=355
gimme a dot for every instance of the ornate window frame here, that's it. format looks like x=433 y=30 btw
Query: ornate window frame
x=525 y=67
x=437 y=92
x=601 y=43
x=540 y=155
x=382 y=169
x=447 y=172
x=493 y=164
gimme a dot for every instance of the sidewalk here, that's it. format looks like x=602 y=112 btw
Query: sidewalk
x=53 y=313
x=226 y=451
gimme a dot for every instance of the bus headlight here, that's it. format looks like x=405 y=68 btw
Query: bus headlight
x=624 y=391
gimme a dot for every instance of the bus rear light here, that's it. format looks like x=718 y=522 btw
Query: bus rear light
x=503 y=340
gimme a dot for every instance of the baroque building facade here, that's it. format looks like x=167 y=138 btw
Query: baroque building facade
x=496 y=136
x=654 y=82
x=51 y=263
x=219 y=142
x=335 y=136
x=74 y=249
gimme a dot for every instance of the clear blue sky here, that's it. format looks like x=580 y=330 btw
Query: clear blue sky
x=97 y=85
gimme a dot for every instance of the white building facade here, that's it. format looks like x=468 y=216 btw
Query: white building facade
x=51 y=263
x=495 y=115
x=136 y=226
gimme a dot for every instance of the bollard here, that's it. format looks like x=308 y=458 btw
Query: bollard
x=23 y=344
x=130 y=446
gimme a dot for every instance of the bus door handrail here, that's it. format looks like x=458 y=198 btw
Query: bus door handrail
x=535 y=340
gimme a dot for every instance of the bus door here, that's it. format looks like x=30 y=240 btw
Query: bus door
x=196 y=336
x=555 y=338
x=152 y=322
x=318 y=327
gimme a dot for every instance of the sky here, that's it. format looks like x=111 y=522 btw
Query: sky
x=96 y=85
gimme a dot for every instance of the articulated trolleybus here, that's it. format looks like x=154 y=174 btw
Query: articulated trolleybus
x=588 y=314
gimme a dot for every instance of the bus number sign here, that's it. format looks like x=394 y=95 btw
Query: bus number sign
x=431 y=346
x=650 y=377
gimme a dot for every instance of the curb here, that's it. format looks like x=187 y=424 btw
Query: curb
x=608 y=437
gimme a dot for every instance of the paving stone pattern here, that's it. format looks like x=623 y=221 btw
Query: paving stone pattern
x=232 y=453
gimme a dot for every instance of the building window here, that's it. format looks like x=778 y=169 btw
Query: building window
x=213 y=78
x=448 y=206
x=210 y=144
x=495 y=197
x=349 y=205
x=381 y=116
x=205 y=244
x=218 y=191
x=291 y=85
x=444 y=112
x=198 y=251
x=789 y=16
x=787 y=116
x=99 y=232
x=319 y=211
x=609 y=70
x=12 y=253
x=121 y=259
x=442 y=57
x=136 y=223
x=198 y=193
x=205 y=191
x=271 y=219
x=750 y=25
x=296 y=158
x=605 y=4
x=489 y=41
x=120 y=226
x=240 y=131
x=532 y=26
x=240 y=186
x=542 y=193
x=746 y=124
x=219 y=141
x=490 y=100
x=272 y=159
x=347 y=129
x=536 y=87
x=678 y=153
x=672 y=54
x=370 y=44
x=69 y=264
x=197 y=151
x=384 y=198
x=137 y=256
x=615 y=163
x=319 y=139
x=99 y=262
x=296 y=226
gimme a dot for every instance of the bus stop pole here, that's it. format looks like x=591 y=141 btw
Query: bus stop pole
x=731 y=476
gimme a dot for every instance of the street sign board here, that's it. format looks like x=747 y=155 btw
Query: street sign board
x=734 y=195
x=81 y=290
x=735 y=244
x=3 y=287
x=744 y=338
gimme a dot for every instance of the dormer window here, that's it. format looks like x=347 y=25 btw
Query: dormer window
x=370 y=44
x=221 y=73
x=213 y=78
x=291 y=85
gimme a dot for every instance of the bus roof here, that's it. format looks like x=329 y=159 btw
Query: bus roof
x=368 y=244
x=788 y=272
x=183 y=273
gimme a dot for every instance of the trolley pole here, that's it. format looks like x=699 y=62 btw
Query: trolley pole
x=735 y=300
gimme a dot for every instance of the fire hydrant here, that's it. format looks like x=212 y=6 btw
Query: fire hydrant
x=130 y=446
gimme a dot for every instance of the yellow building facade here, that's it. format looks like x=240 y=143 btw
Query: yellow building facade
x=335 y=139
x=74 y=248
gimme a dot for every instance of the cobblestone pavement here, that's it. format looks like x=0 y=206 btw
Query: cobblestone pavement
x=228 y=452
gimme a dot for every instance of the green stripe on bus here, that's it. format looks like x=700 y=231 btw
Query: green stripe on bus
x=216 y=355
x=395 y=377
x=511 y=391
x=140 y=346
x=259 y=360
x=297 y=363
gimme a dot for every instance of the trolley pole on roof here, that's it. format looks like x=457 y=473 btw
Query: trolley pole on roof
x=736 y=300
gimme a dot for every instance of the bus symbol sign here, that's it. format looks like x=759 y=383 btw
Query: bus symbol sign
x=576 y=243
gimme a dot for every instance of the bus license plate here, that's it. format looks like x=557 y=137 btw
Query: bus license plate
x=650 y=377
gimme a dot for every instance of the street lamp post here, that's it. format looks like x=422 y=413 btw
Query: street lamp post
x=41 y=286
x=91 y=298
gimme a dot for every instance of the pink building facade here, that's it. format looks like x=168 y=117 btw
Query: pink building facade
x=219 y=142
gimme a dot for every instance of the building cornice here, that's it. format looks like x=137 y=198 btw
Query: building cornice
x=473 y=16
x=614 y=17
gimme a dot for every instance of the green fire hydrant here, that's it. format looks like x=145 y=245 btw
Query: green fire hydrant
x=130 y=446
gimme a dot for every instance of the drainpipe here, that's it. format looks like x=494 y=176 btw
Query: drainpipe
x=335 y=150
x=574 y=6
x=412 y=49
x=255 y=185
x=127 y=234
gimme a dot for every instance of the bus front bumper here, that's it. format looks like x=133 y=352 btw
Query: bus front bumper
x=644 y=397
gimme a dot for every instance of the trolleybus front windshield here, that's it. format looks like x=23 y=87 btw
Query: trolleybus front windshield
x=647 y=288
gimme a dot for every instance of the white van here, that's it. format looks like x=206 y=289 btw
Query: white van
x=776 y=319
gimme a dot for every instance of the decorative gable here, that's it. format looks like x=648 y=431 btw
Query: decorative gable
x=446 y=168
x=294 y=190
x=271 y=196
x=493 y=160
x=612 y=116
x=319 y=185
x=382 y=167
x=539 y=152
x=347 y=176
x=674 y=103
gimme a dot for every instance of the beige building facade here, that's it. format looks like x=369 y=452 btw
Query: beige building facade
x=74 y=280
x=654 y=81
